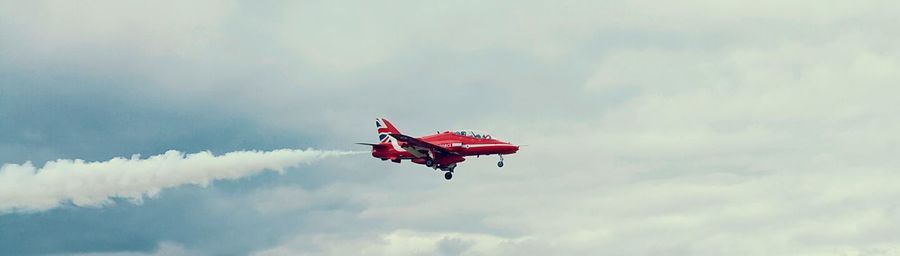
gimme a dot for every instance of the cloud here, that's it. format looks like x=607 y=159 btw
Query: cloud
x=730 y=130
x=50 y=31
x=399 y=242
x=163 y=249
x=683 y=128
x=27 y=188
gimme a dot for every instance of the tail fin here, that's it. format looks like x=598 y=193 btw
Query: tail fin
x=385 y=128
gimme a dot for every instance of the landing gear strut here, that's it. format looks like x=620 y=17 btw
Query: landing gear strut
x=500 y=164
x=448 y=171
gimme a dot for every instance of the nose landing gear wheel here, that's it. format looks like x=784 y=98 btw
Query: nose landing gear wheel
x=500 y=164
x=448 y=175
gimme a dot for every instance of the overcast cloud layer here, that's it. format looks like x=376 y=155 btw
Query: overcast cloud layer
x=654 y=127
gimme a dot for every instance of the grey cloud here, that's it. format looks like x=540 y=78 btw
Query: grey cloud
x=453 y=246
x=698 y=128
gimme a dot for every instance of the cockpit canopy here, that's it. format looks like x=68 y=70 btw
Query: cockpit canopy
x=473 y=134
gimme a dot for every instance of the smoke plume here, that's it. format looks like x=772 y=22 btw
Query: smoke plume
x=23 y=187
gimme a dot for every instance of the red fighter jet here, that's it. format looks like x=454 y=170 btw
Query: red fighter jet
x=439 y=151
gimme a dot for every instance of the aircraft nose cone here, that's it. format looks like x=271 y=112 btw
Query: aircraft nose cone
x=509 y=148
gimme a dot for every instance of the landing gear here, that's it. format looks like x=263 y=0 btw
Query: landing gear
x=429 y=163
x=500 y=164
x=448 y=171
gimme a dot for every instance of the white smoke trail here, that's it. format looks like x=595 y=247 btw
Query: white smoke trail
x=26 y=188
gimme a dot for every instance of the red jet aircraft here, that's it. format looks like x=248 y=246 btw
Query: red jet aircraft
x=439 y=151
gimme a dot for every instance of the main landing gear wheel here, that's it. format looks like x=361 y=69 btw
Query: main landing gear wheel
x=429 y=163
x=500 y=164
x=448 y=175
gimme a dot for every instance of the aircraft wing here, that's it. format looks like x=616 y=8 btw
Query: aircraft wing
x=422 y=144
